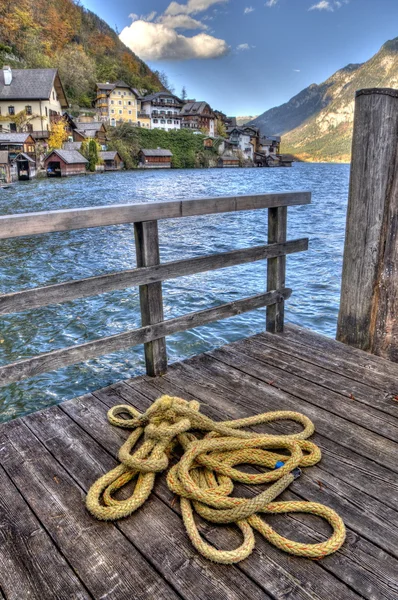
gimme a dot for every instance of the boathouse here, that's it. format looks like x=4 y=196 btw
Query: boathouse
x=227 y=161
x=16 y=143
x=155 y=159
x=7 y=170
x=26 y=167
x=112 y=160
x=61 y=163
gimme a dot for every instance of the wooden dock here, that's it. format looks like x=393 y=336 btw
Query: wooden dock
x=52 y=548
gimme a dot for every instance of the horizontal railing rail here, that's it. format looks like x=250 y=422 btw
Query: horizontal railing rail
x=150 y=273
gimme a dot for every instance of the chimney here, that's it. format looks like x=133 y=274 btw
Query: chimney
x=7 y=75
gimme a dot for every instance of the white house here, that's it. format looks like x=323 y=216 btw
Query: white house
x=244 y=139
x=164 y=110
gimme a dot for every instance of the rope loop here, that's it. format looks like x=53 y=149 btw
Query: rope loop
x=204 y=477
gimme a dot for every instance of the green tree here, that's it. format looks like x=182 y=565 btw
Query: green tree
x=221 y=130
x=90 y=150
x=184 y=94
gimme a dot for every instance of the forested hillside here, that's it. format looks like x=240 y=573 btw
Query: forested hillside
x=61 y=33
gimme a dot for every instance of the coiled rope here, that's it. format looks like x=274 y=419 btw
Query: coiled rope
x=204 y=476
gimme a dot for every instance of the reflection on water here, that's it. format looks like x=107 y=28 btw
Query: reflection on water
x=40 y=260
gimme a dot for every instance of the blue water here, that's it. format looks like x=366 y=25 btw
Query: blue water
x=51 y=258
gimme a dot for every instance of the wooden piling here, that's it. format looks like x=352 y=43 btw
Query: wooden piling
x=369 y=296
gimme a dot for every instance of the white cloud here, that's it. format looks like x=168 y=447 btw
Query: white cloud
x=244 y=47
x=248 y=9
x=192 y=7
x=297 y=70
x=323 y=5
x=156 y=41
x=181 y=22
x=271 y=3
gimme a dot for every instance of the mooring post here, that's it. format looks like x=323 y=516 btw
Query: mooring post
x=276 y=268
x=151 y=299
x=368 y=317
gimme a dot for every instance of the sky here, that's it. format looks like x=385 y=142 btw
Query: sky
x=246 y=56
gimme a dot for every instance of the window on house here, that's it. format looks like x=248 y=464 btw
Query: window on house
x=162 y=121
x=120 y=101
x=112 y=102
x=170 y=122
x=112 y=111
x=120 y=112
x=129 y=102
x=129 y=112
x=29 y=127
x=1 y=127
x=11 y=110
x=119 y=93
x=13 y=126
x=175 y=122
x=155 y=121
x=28 y=110
x=46 y=111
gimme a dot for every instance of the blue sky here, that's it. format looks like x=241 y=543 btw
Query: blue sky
x=245 y=56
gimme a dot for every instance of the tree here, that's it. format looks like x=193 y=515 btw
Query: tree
x=77 y=73
x=90 y=150
x=184 y=94
x=58 y=135
x=164 y=80
x=221 y=130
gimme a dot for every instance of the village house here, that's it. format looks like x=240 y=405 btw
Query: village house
x=92 y=130
x=61 y=163
x=245 y=140
x=26 y=167
x=198 y=116
x=8 y=168
x=164 y=110
x=15 y=143
x=38 y=92
x=155 y=159
x=228 y=160
x=118 y=102
x=269 y=145
x=112 y=160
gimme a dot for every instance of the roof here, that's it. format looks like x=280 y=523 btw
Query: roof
x=69 y=156
x=108 y=87
x=40 y=135
x=23 y=156
x=195 y=108
x=158 y=95
x=269 y=140
x=93 y=125
x=3 y=157
x=19 y=138
x=72 y=146
x=109 y=155
x=158 y=152
x=31 y=84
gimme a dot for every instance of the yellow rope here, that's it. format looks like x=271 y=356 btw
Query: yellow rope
x=204 y=476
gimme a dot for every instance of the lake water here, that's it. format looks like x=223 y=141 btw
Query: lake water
x=51 y=258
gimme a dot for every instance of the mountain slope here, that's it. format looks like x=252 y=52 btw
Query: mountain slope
x=317 y=123
x=60 y=33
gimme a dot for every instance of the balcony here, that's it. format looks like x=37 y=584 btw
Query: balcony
x=143 y=115
x=165 y=103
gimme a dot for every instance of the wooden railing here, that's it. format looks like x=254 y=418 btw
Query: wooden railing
x=150 y=273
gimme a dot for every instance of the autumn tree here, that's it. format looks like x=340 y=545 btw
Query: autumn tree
x=221 y=130
x=58 y=135
x=77 y=73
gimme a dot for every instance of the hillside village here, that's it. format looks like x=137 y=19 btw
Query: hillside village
x=40 y=136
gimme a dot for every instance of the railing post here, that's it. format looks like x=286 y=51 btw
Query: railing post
x=276 y=268
x=368 y=316
x=151 y=300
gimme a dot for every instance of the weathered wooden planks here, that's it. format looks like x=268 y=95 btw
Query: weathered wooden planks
x=82 y=352
x=82 y=218
x=369 y=298
x=83 y=288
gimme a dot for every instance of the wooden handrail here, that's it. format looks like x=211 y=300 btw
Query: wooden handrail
x=150 y=273
x=101 y=284
x=99 y=216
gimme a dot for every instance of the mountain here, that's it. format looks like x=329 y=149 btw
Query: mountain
x=63 y=34
x=317 y=123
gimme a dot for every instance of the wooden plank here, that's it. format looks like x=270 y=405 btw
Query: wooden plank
x=276 y=267
x=57 y=359
x=276 y=572
x=99 y=216
x=31 y=566
x=342 y=375
x=151 y=298
x=369 y=293
x=155 y=529
x=98 y=552
x=354 y=393
x=378 y=367
x=83 y=288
